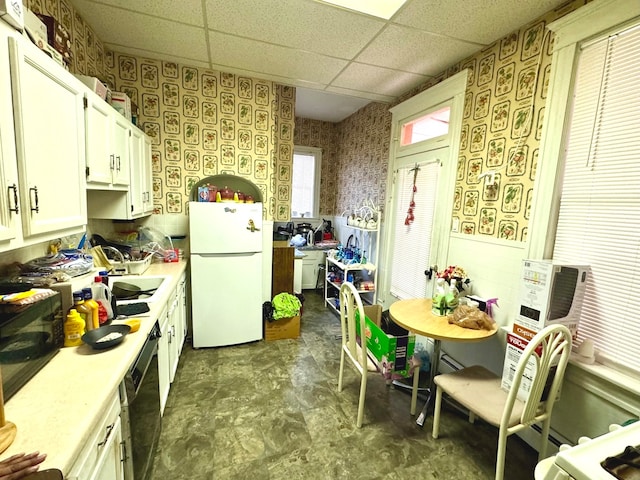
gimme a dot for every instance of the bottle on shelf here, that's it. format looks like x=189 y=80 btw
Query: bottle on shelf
x=95 y=307
x=84 y=310
x=73 y=329
x=102 y=295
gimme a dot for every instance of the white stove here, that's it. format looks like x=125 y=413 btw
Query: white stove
x=583 y=462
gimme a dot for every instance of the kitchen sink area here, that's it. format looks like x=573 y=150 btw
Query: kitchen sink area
x=138 y=288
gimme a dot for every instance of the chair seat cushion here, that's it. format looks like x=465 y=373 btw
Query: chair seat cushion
x=479 y=390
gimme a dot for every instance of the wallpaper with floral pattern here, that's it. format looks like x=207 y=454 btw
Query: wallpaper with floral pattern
x=356 y=166
x=201 y=122
x=324 y=135
x=503 y=114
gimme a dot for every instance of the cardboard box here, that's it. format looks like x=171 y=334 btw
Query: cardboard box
x=94 y=84
x=283 y=328
x=122 y=103
x=551 y=293
x=36 y=29
x=389 y=346
x=58 y=36
x=515 y=348
x=12 y=12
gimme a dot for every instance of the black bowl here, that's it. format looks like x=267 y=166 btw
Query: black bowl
x=106 y=336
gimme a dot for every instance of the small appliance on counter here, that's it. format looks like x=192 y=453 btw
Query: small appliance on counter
x=30 y=336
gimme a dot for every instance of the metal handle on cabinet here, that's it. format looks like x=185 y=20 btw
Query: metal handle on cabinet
x=118 y=162
x=112 y=161
x=15 y=198
x=35 y=197
x=106 y=436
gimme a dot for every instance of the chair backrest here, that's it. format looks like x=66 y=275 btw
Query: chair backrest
x=350 y=301
x=550 y=349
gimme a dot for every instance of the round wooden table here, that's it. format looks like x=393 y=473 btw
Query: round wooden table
x=416 y=316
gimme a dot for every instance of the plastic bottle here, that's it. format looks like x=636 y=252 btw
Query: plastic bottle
x=102 y=295
x=83 y=310
x=104 y=277
x=95 y=308
x=73 y=329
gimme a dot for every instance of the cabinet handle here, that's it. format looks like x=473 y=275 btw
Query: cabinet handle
x=106 y=436
x=118 y=163
x=112 y=162
x=15 y=198
x=32 y=198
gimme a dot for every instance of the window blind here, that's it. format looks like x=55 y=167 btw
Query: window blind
x=412 y=243
x=599 y=215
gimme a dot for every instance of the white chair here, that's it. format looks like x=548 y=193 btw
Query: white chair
x=350 y=302
x=479 y=390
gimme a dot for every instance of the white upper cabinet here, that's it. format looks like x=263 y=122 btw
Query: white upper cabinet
x=107 y=145
x=45 y=145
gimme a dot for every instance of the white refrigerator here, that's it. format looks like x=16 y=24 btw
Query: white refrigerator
x=226 y=272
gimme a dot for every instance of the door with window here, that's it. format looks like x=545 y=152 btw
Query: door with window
x=424 y=150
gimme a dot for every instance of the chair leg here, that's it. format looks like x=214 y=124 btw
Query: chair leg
x=340 y=374
x=436 y=413
x=363 y=390
x=502 y=450
x=414 y=391
x=544 y=437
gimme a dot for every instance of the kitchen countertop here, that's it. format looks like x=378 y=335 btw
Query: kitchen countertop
x=55 y=411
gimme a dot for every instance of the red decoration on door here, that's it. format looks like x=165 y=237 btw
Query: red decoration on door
x=412 y=203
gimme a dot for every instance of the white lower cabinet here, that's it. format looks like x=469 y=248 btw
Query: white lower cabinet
x=102 y=456
x=164 y=371
x=310 y=265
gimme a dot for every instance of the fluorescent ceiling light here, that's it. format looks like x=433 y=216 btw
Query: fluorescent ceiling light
x=378 y=8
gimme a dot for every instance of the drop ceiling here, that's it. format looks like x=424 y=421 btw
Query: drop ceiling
x=339 y=59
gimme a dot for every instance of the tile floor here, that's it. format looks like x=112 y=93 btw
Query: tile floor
x=270 y=411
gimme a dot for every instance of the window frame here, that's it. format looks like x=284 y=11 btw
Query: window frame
x=317 y=154
x=589 y=22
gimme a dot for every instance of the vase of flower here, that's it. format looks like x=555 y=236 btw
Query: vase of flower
x=450 y=285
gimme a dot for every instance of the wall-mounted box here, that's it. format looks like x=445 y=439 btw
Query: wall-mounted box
x=12 y=12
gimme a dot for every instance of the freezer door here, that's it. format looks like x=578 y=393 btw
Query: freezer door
x=226 y=299
x=225 y=227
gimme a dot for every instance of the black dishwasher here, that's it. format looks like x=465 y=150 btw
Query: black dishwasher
x=140 y=397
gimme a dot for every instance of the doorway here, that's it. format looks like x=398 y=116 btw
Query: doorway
x=425 y=139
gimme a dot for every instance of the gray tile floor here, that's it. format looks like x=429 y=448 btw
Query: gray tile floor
x=270 y=411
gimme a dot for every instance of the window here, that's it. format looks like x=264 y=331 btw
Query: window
x=432 y=125
x=595 y=215
x=305 y=185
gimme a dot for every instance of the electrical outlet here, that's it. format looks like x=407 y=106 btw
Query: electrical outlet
x=455 y=225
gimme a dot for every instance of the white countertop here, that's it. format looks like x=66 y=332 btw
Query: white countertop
x=56 y=409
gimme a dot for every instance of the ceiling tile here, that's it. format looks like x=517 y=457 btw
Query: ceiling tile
x=123 y=30
x=272 y=59
x=300 y=24
x=415 y=51
x=333 y=108
x=190 y=11
x=383 y=81
x=479 y=21
x=368 y=95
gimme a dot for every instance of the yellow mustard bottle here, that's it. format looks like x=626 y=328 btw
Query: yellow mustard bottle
x=84 y=310
x=73 y=329
x=95 y=308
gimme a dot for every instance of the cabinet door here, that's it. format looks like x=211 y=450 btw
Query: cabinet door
x=9 y=204
x=110 y=465
x=121 y=139
x=50 y=143
x=174 y=339
x=136 y=192
x=147 y=177
x=99 y=131
x=164 y=375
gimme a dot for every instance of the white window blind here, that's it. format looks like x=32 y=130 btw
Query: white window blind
x=599 y=217
x=412 y=243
